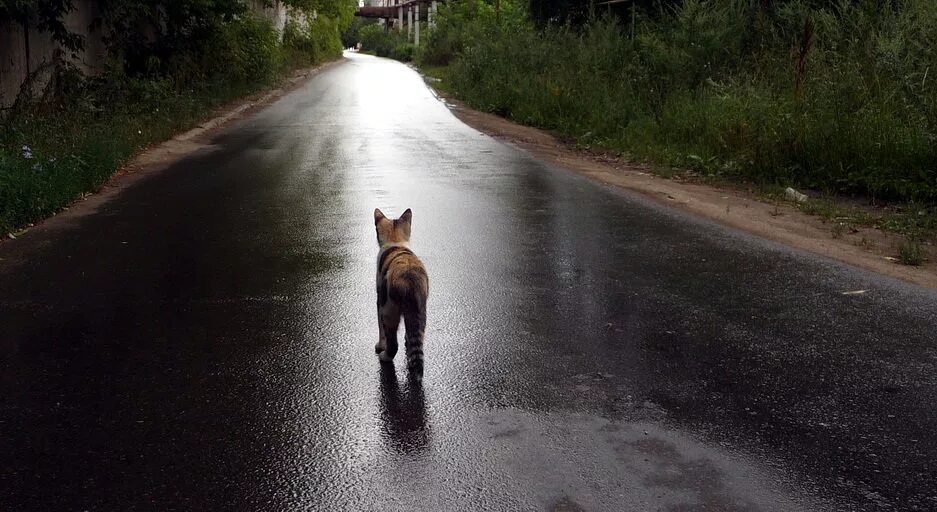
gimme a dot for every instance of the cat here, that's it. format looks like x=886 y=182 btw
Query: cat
x=402 y=291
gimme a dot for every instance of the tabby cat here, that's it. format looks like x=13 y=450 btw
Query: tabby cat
x=402 y=291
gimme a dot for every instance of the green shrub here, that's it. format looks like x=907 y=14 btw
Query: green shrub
x=910 y=252
x=248 y=50
x=351 y=36
x=383 y=43
x=375 y=39
x=312 y=41
x=402 y=51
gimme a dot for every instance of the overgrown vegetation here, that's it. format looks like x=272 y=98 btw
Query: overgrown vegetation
x=837 y=96
x=306 y=43
x=385 y=43
x=70 y=137
x=351 y=36
x=911 y=253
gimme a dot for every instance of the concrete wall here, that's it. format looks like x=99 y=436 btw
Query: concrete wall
x=16 y=64
x=276 y=13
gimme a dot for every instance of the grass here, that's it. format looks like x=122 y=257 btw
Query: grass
x=441 y=74
x=917 y=223
x=911 y=253
x=909 y=219
x=50 y=158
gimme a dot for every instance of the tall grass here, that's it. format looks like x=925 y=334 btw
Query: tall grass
x=839 y=98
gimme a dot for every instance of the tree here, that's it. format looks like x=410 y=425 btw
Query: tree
x=44 y=15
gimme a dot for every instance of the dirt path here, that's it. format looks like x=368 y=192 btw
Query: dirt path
x=867 y=248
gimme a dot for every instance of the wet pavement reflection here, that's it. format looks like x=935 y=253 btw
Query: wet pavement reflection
x=403 y=414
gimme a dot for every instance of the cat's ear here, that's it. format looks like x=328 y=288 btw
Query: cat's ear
x=378 y=216
x=407 y=217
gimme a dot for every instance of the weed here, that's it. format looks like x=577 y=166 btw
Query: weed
x=839 y=229
x=825 y=208
x=441 y=74
x=910 y=252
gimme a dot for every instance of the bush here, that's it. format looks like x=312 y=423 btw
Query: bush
x=383 y=43
x=457 y=24
x=352 y=36
x=834 y=98
x=247 y=50
x=311 y=41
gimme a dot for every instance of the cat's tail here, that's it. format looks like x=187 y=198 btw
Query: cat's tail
x=411 y=293
x=415 y=322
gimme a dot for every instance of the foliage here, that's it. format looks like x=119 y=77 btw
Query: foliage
x=911 y=253
x=177 y=38
x=383 y=43
x=826 y=95
x=46 y=15
x=310 y=41
x=456 y=24
x=341 y=12
x=351 y=36
x=247 y=50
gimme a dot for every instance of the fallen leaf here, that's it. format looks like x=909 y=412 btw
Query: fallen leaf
x=855 y=292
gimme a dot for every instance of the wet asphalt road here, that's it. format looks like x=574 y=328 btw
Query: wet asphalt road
x=204 y=341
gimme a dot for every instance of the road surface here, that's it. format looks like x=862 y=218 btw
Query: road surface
x=204 y=341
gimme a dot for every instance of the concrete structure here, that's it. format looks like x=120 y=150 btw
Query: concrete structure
x=410 y=23
x=416 y=28
x=274 y=10
x=26 y=56
x=395 y=14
